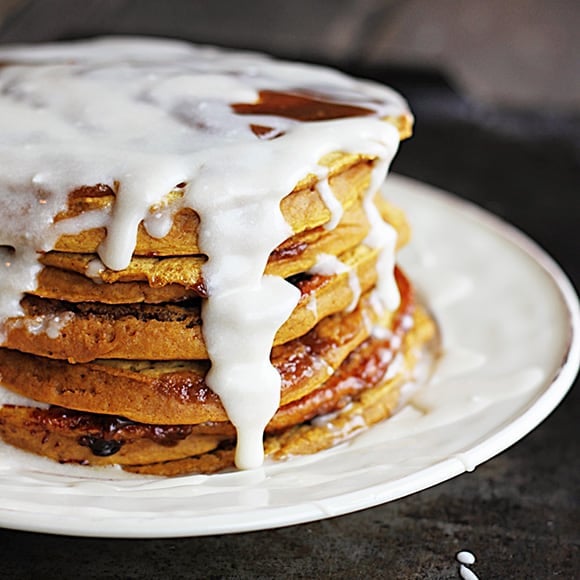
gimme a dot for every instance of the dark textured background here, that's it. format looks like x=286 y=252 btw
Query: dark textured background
x=519 y=513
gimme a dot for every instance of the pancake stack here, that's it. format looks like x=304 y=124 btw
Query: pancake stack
x=111 y=362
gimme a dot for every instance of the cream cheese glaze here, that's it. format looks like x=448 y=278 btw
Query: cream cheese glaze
x=328 y=265
x=149 y=114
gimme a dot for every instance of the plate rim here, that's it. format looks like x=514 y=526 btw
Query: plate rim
x=537 y=410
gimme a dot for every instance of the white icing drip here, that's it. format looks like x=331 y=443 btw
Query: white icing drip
x=334 y=206
x=386 y=356
x=466 y=573
x=7 y=397
x=94 y=270
x=381 y=333
x=159 y=223
x=355 y=288
x=466 y=559
x=367 y=321
x=396 y=341
x=49 y=324
x=395 y=366
x=312 y=305
x=325 y=421
x=384 y=237
x=329 y=368
x=146 y=115
x=376 y=303
x=241 y=373
x=330 y=265
x=18 y=270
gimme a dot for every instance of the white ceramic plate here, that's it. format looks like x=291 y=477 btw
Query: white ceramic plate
x=510 y=329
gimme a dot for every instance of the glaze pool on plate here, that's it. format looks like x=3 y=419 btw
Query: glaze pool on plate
x=509 y=322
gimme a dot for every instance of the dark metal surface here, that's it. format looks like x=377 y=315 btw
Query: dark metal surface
x=519 y=513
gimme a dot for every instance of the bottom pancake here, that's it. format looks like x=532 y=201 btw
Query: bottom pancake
x=364 y=390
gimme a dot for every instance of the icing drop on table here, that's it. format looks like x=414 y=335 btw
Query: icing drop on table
x=465 y=559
